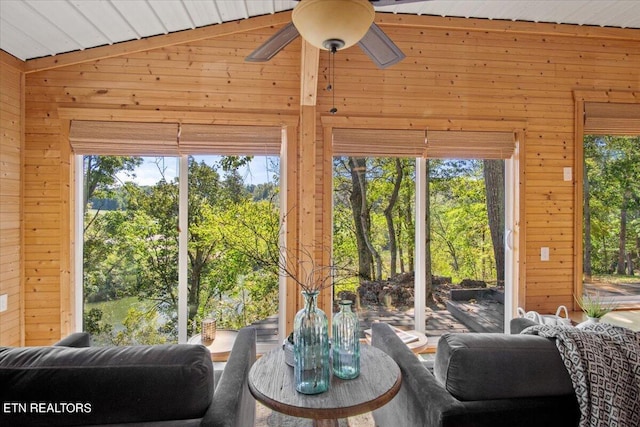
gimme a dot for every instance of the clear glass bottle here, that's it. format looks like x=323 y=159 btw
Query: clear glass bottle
x=345 y=342
x=312 y=369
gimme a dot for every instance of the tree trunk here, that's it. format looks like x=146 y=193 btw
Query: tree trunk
x=623 y=235
x=193 y=300
x=494 y=188
x=388 y=214
x=409 y=226
x=365 y=220
x=586 y=209
x=428 y=292
x=358 y=204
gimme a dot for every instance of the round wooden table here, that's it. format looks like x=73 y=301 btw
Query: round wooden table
x=220 y=347
x=272 y=383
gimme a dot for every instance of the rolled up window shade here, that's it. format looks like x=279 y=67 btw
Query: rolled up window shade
x=421 y=143
x=124 y=138
x=378 y=142
x=172 y=139
x=230 y=140
x=469 y=145
x=607 y=118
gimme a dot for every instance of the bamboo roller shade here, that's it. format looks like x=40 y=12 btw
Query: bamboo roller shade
x=469 y=145
x=230 y=140
x=171 y=139
x=602 y=118
x=420 y=143
x=123 y=138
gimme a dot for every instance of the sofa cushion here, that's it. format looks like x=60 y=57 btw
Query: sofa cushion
x=487 y=366
x=102 y=385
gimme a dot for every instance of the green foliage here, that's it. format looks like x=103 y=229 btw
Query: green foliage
x=140 y=328
x=94 y=325
x=612 y=165
x=134 y=251
x=461 y=245
x=595 y=306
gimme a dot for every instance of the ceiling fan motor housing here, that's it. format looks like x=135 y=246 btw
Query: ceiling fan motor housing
x=329 y=24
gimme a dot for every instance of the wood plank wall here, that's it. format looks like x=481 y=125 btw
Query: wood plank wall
x=527 y=72
x=455 y=69
x=11 y=121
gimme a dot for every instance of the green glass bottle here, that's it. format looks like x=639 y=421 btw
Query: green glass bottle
x=345 y=342
x=312 y=370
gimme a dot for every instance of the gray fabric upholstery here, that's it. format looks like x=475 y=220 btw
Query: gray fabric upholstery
x=423 y=401
x=234 y=405
x=487 y=366
x=163 y=385
x=77 y=339
x=519 y=324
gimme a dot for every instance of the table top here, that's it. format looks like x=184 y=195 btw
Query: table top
x=272 y=382
x=220 y=347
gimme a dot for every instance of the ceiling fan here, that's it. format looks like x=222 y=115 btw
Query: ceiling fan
x=333 y=25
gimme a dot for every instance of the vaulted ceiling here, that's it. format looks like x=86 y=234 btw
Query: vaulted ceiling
x=37 y=28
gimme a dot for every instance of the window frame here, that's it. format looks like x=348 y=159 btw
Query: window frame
x=228 y=125
x=612 y=121
x=409 y=128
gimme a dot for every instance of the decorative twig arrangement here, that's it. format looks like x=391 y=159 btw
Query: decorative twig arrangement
x=298 y=264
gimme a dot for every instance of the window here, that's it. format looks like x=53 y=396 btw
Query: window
x=608 y=160
x=144 y=280
x=409 y=230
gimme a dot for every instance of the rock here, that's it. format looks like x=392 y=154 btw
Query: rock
x=468 y=283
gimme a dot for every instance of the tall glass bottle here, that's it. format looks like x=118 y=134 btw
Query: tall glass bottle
x=345 y=342
x=311 y=347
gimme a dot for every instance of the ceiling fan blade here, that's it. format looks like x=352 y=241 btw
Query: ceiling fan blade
x=275 y=44
x=379 y=47
x=380 y=3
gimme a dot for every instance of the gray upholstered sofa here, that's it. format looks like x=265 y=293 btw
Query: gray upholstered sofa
x=480 y=380
x=73 y=384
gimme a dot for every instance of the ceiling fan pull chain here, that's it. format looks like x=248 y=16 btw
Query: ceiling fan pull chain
x=332 y=74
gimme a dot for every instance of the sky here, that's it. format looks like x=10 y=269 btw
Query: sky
x=149 y=172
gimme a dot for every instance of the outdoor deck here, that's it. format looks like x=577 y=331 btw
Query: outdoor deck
x=461 y=316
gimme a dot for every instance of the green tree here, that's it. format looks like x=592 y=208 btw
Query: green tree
x=611 y=205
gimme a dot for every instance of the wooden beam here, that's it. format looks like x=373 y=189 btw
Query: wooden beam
x=309 y=74
x=505 y=26
x=290 y=185
x=307 y=148
x=156 y=42
x=211 y=117
x=67 y=232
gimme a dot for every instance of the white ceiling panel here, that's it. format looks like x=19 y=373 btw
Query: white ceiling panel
x=172 y=15
x=16 y=40
x=106 y=19
x=40 y=32
x=233 y=10
x=139 y=17
x=70 y=22
x=36 y=28
x=203 y=12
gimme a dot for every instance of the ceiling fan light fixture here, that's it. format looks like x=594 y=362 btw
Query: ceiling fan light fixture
x=329 y=23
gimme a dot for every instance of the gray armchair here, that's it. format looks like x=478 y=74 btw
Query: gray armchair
x=481 y=380
x=162 y=385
